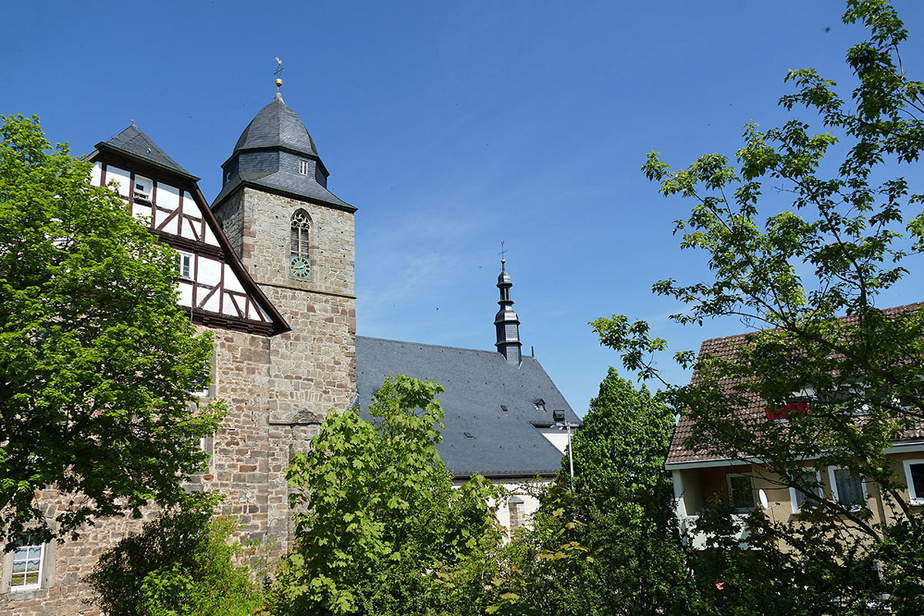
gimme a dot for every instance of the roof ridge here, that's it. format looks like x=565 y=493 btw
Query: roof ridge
x=889 y=310
x=438 y=346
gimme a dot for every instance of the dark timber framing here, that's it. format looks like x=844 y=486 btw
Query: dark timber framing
x=223 y=253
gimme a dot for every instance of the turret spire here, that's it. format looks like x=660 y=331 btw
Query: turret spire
x=506 y=321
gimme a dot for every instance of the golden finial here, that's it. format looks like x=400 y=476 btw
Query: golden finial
x=278 y=72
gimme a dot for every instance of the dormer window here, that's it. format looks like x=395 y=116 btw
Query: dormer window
x=143 y=189
x=303 y=166
x=540 y=405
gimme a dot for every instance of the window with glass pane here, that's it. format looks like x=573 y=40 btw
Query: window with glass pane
x=849 y=488
x=740 y=492
x=808 y=481
x=184 y=264
x=27 y=566
x=914 y=474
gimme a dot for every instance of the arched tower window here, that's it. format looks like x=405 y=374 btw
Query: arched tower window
x=299 y=260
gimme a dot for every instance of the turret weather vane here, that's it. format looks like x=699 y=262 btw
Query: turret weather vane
x=278 y=72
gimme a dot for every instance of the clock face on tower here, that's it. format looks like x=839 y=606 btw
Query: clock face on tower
x=300 y=267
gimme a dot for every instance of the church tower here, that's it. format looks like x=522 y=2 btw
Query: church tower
x=296 y=239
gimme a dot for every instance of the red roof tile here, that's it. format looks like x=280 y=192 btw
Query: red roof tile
x=727 y=348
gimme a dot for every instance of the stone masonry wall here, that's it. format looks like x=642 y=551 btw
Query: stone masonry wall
x=265 y=251
x=250 y=451
x=231 y=214
x=249 y=458
x=277 y=389
x=313 y=367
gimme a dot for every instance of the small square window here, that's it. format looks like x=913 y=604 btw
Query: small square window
x=27 y=565
x=184 y=265
x=304 y=167
x=740 y=492
x=914 y=476
x=143 y=189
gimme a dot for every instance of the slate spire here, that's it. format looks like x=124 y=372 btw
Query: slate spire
x=506 y=321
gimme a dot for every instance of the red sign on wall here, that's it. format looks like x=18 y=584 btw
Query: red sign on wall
x=775 y=413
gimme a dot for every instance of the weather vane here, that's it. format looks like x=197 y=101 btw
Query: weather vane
x=278 y=72
x=503 y=253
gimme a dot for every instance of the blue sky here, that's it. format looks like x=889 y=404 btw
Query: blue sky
x=453 y=127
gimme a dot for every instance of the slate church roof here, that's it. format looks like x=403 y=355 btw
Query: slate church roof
x=480 y=436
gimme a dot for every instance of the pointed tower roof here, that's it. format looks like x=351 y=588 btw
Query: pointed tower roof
x=506 y=321
x=277 y=127
x=133 y=142
x=276 y=153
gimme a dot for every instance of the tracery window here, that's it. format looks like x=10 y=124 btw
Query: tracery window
x=299 y=260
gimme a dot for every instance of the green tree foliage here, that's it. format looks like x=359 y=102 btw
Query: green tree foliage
x=620 y=449
x=611 y=547
x=542 y=568
x=627 y=501
x=379 y=528
x=796 y=242
x=179 y=565
x=96 y=360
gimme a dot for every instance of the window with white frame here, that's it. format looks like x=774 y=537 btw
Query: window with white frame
x=143 y=189
x=303 y=166
x=914 y=476
x=740 y=491
x=810 y=482
x=848 y=489
x=26 y=572
x=184 y=265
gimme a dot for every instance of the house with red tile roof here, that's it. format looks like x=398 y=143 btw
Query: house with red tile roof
x=746 y=482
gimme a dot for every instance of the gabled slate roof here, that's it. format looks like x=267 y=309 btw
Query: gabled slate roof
x=135 y=143
x=480 y=436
